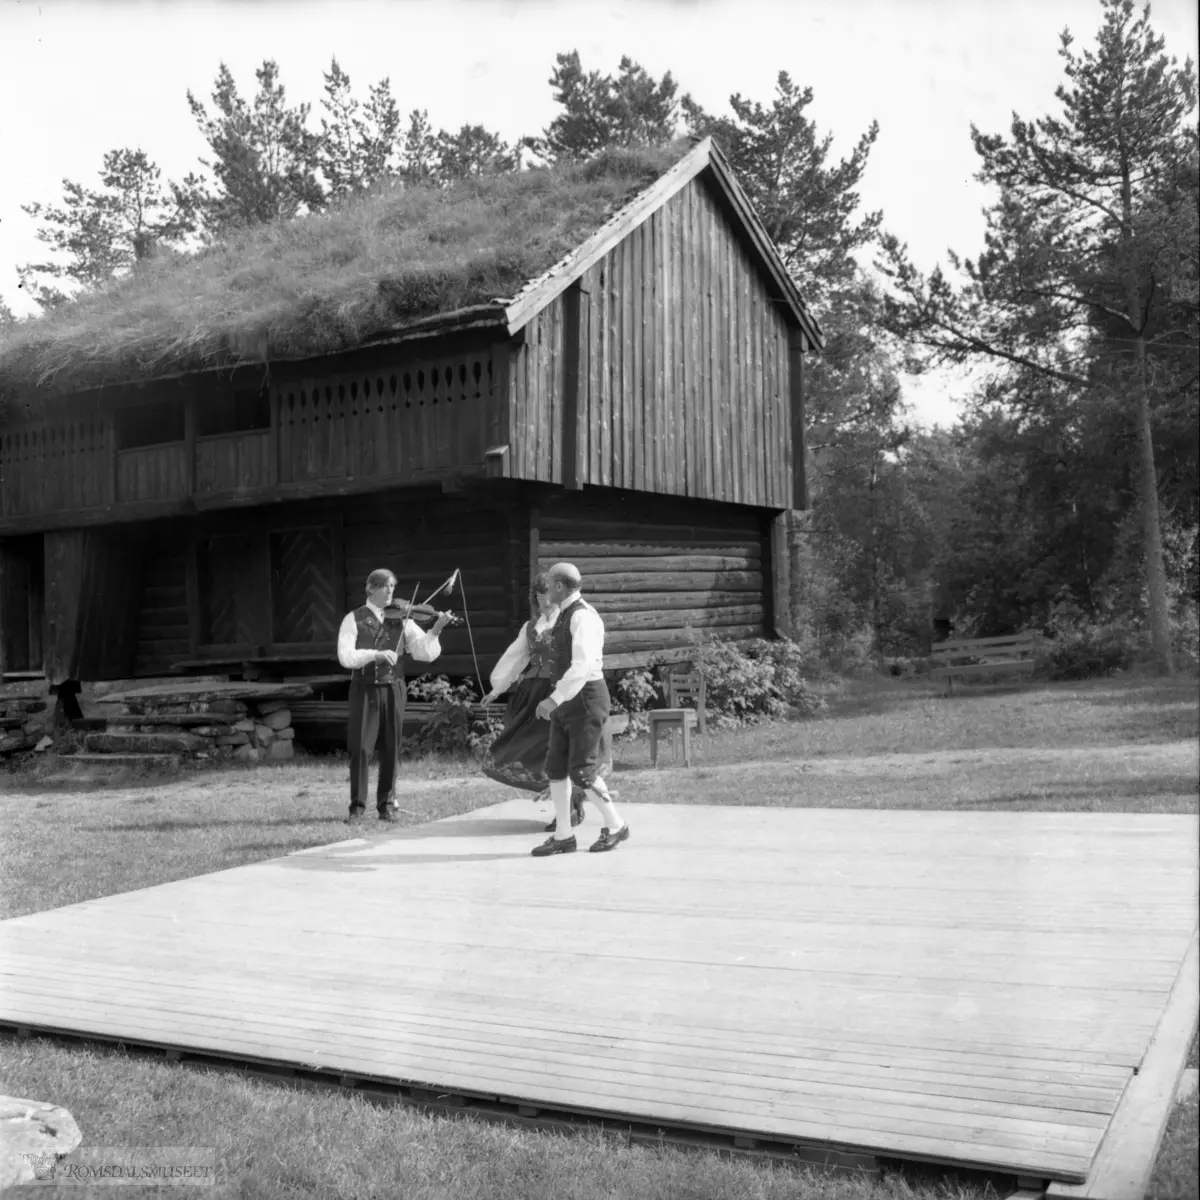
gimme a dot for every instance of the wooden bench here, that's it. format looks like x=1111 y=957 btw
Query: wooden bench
x=1016 y=654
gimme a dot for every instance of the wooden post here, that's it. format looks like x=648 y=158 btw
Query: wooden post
x=574 y=403
x=189 y=445
x=273 y=445
x=192 y=585
x=113 y=473
x=796 y=348
x=780 y=590
x=534 y=542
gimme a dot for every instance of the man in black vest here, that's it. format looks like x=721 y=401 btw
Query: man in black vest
x=374 y=653
x=576 y=709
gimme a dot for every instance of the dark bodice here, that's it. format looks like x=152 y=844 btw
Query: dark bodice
x=540 y=646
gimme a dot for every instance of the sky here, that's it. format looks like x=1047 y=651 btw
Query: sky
x=78 y=79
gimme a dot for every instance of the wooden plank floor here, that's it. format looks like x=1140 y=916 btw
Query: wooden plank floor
x=974 y=988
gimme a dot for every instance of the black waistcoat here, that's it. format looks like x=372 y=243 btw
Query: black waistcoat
x=374 y=634
x=561 y=641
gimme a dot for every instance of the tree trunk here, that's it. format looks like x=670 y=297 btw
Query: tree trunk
x=1152 y=550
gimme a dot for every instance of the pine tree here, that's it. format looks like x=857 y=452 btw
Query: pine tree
x=632 y=109
x=471 y=152
x=809 y=208
x=419 y=150
x=265 y=159
x=358 y=142
x=1081 y=246
x=104 y=232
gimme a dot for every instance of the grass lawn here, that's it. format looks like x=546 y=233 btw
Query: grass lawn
x=1127 y=745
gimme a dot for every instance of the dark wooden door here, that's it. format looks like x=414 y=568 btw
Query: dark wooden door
x=21 y=605
x=305 y=579
x=233 y=591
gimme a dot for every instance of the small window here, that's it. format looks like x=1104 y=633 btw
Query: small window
x=150 y=425
x=239 y=411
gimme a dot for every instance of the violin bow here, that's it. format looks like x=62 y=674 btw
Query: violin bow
x=448 y=586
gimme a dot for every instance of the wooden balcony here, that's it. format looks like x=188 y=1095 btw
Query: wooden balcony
x=429 y=420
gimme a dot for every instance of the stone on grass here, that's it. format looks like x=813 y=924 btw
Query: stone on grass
x=247 y=754
x=33 y=1129
x=282 y=749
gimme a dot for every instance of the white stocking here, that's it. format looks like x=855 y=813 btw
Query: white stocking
x=599 y=795
x=560 y=793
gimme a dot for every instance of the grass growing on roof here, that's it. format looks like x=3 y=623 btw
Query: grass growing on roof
x=326 y=282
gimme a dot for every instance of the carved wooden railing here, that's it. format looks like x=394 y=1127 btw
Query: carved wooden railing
x=61 y=465
x=421 y=421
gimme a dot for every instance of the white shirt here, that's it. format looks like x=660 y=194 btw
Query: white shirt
x=516 y=658
x=424 y=647
x=587 y=652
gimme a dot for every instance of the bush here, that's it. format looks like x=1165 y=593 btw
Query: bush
x=1088 y=650
x=636 y=692
x=762 y=682
x=453 y=728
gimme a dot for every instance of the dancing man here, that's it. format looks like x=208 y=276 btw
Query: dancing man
x=374 y=654
x=577 y=708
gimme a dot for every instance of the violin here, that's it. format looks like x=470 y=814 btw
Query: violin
x=422 y=614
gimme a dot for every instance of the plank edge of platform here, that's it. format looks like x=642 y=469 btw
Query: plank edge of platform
x=1125 y=1159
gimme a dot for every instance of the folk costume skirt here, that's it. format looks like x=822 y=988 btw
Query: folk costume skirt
x=518 y=755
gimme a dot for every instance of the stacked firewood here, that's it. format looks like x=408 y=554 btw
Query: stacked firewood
x=25 y=721
x=220 y=727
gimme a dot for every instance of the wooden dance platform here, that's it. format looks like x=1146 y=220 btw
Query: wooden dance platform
x=976 y=988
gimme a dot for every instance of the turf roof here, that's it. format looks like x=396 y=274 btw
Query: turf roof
x=328 y=282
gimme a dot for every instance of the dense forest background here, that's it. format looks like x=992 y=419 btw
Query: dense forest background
x=1065 y=499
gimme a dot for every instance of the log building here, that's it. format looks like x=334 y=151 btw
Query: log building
x=637 y=408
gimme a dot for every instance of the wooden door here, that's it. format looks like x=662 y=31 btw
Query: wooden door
x=233 y=593
x=305 y=588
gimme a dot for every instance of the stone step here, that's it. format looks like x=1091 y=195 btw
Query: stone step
x=145 y=743
x=166 y=762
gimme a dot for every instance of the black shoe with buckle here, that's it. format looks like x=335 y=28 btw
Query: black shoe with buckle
x=553 y=845
x=609 y=841
x=356 y=815
x=388 y=814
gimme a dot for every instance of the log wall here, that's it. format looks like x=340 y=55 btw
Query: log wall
x=664 y=574
x=163 y=634
x=271 y=585
x=684 y=379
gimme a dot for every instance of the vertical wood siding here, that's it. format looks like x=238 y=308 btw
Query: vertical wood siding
x=684 y=382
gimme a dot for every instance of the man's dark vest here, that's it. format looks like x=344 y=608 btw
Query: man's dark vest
x=374 y=634
x=561 y=640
